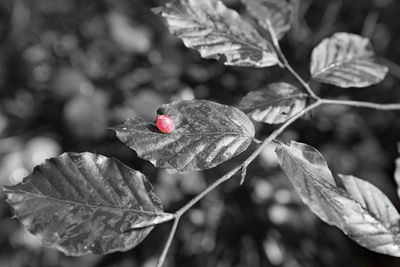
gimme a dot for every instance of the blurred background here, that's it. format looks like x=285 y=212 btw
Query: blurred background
x=70 y=69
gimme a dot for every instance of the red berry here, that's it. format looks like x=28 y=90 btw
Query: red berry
x=165 y=123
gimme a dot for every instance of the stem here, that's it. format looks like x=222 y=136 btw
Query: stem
x=302 y=82
x=286 y=64
x=361 y=104
x=250 y=159
x=228 y=175
x=394 y=68
x=257 y=141
x=169 y=241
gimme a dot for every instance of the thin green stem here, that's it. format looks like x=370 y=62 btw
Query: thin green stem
x=361 y=104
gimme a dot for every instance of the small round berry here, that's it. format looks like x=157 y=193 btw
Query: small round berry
x=165 y=123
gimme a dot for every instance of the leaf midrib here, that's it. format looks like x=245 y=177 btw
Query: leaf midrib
x=285 y=98
x=14 y=191
x=230 y=36
x=190 y=134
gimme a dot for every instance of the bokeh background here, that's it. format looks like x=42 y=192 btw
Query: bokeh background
x=70 y=69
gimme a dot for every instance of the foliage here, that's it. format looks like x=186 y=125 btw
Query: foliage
x=85 y=203
x=274 y=104
x=346 y=60
x=360 y=210
x=213 y=29
x=206 y=135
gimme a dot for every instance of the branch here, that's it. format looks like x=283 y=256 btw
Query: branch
x=257 y=141
x=169 y=241
x=361 y=104
x=286 y=64
x=394 y=68
x=228 y=175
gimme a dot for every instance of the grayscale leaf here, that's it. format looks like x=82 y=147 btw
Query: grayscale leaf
x=346 y=60
x=278 y=12
x=86 y=203
x=206 y=134
x=397 y=173
x=359 y=209
x=214 y=30
x=273 y=104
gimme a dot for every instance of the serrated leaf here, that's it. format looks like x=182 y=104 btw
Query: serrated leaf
x=206 y=134
x=214 y=30
x=359 y=209
x=86 y=203
x=346 y=60
x=278 y=12
x=273 y=104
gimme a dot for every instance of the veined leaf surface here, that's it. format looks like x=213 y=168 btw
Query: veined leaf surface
x=359 y=209
x=214 y=30
x=206 y=134
x=346 y=60
x=86 y=203
x=273 y=104
x=278 y=12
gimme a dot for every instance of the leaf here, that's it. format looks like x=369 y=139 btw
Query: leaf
x=213 y=29
x=273 y=104
x=86 y=203
x=346 y=60
x=397 y=173
x=385 y=236
x=206 y=134
x=359 y=209
x=278 y=12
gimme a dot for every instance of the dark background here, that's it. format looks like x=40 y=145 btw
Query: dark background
x=70 y=69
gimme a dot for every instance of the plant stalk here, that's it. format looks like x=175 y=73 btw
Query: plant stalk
x=361 y=104
x=286 y=63
x=231 y=173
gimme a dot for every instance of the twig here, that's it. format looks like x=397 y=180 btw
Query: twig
x=302 y=82
x=286 y=64
x=169 y=241
x=257 y=141
x=228 y=175
x=361 y=104
x=370 y=24
x=243 y=175
x=394 y=68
